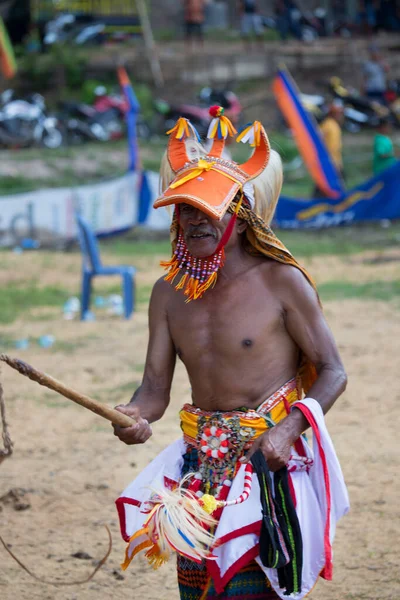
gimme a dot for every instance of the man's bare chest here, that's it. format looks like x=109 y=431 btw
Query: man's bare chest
x=225 y=324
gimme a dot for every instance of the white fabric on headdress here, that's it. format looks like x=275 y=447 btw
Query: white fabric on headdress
x=248 y=190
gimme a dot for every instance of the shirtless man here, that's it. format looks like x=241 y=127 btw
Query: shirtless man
x=240 y=341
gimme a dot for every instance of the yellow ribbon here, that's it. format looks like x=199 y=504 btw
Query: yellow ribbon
x=256 y=126
x=202 y=166
x=226 y=127
x=181 y=128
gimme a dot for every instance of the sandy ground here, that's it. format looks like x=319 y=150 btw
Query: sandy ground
x=58 y=489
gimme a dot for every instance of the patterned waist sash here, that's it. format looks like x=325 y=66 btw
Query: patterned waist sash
x=268 y=414
x=216 y=440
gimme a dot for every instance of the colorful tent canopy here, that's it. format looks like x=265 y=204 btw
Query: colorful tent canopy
x=307 y=135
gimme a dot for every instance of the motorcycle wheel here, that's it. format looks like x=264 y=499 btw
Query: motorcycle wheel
x=351 y=127
x=52 y=138
x=143 y=130
x=308 y=34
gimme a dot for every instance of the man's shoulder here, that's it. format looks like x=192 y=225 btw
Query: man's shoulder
x=288 y=282
x=282 y=274
x=161 y=286
x=160 y=292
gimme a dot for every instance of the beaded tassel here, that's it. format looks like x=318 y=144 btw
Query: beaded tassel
x=198 y=274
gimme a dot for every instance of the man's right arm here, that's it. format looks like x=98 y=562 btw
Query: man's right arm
x=151 y=399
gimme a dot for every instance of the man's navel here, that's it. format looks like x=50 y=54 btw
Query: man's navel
x=247 y=343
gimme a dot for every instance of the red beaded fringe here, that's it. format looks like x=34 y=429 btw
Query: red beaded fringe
x=199 y=274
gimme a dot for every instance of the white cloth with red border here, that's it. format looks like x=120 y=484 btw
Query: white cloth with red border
x=320 y=497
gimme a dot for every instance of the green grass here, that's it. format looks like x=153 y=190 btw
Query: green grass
x=120 y=393
x=130 y=247
x=6 y=342
x=16 y=184
x=340 y=241
x=373 y=290
x=143 y=294
x=17 y=298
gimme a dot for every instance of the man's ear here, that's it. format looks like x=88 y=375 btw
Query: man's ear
x=241 y=225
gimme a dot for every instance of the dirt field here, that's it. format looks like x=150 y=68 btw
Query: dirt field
x=58 y=489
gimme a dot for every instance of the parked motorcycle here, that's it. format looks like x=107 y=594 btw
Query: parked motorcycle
x=318 y=106
x=80 y=31
x=371 y=111
x=84 y=123
x=105 y=101
x=167 y=114
x=26 y=122
x=392 y=98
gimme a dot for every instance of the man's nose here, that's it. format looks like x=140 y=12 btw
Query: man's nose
x=197 y=217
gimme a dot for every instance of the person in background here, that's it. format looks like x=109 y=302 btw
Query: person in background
x=331 y=129
x=389 y=15
x=367 y=16
x=250 y=20
x=194 y=17
x=287 y=15
x=384 y=155
x=374 y=72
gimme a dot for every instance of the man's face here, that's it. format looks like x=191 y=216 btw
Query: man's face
x=338 y=114
x=202 y=233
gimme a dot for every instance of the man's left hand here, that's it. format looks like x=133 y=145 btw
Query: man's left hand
x=276 y=443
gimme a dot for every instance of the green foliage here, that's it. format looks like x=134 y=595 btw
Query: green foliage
x=17 y=183
x=165 y=35
x=62 y=63
x=73 y=62
x=87 y=90
x=145 y=98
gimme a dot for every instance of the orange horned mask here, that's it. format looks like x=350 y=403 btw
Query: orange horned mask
x=211 y=182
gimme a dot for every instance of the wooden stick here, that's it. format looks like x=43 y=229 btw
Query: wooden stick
x=95 y=406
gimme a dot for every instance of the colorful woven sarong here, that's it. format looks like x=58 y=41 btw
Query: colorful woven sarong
x=249 y=584
x=210 y=449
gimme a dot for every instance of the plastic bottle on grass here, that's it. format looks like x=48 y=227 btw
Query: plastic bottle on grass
x=115 y=305
x=22 y=344
x=71 y=307
x=89 y=316
x=100 y=302
x=46 y=341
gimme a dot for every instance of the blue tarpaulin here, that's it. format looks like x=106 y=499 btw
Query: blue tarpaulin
x=375 y=200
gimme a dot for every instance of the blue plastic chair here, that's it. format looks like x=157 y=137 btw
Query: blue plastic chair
x=92 y=267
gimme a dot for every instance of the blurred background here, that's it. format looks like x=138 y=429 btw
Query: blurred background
x=88 y=89
x=67 y=53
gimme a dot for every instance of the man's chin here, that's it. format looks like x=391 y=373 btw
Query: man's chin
x=201 y=248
